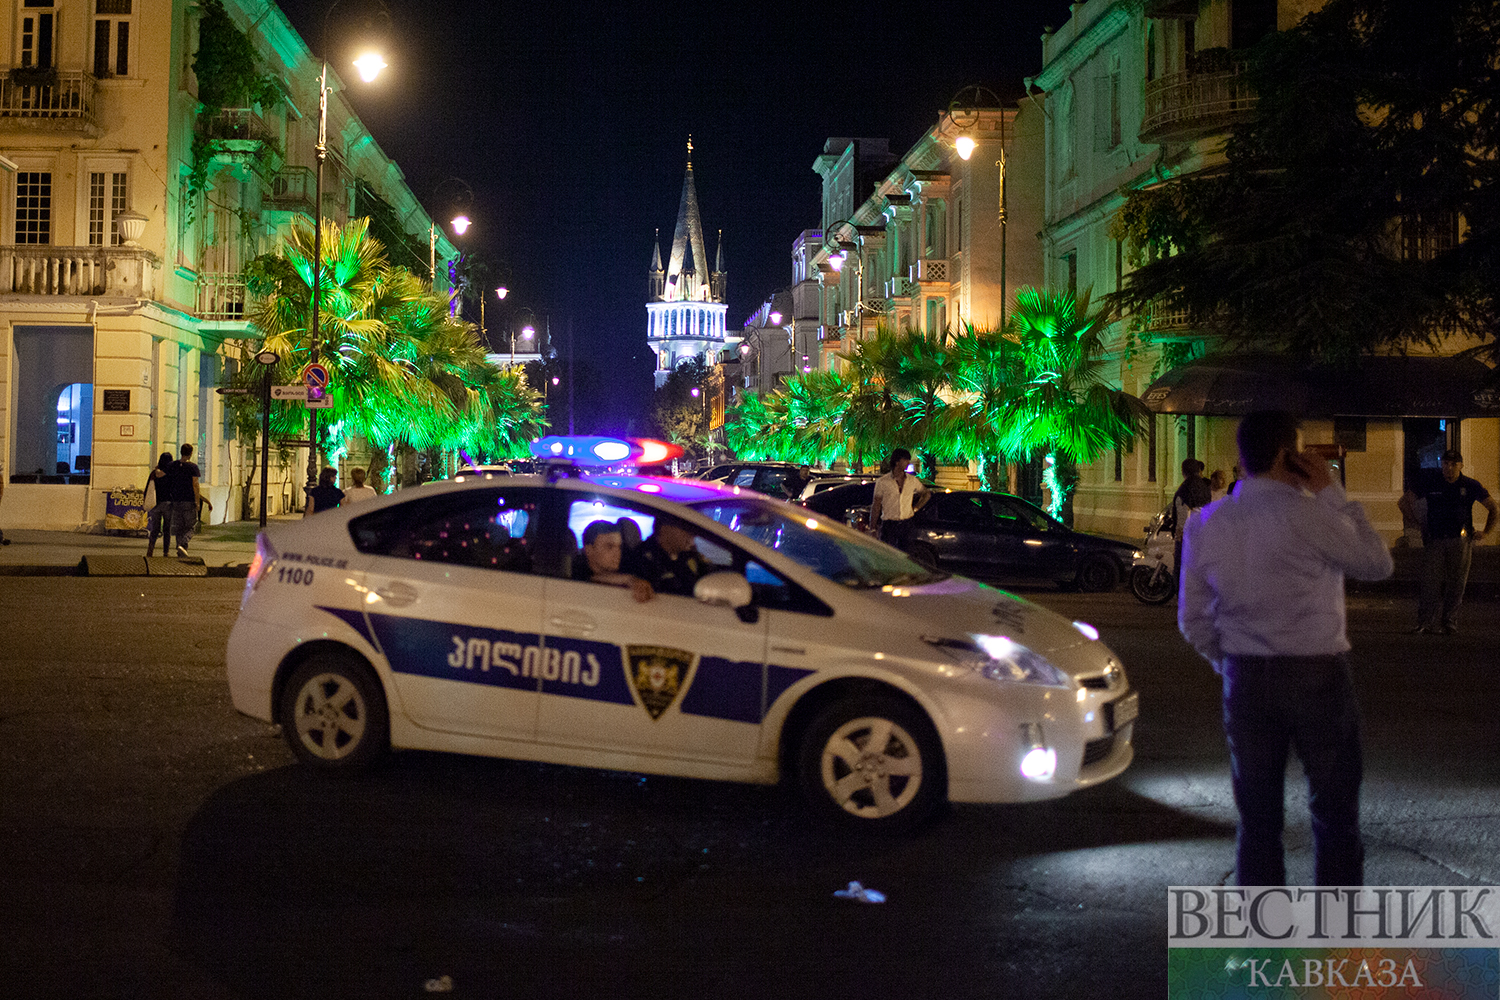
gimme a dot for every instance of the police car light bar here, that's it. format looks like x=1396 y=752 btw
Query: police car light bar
x=597 y=452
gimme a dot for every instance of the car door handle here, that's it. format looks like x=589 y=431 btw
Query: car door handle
x=397 y=595
x=573 y=623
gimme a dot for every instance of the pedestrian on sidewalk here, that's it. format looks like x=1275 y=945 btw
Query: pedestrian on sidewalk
x=326 y=495
x=158 y=507
x=181 y=488
x=1192 y=495
x=1448 y=537
x=1262 y=600
x=359 y=491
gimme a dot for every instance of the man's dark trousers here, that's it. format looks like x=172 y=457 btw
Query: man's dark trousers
x=1275 y=703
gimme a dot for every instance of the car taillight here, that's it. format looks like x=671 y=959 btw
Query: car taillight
x=265 y=555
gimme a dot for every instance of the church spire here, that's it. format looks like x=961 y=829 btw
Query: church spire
x=687 y=270
x=656 y=252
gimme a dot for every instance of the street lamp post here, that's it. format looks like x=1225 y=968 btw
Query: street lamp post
x=369 y=65
x=964 y=114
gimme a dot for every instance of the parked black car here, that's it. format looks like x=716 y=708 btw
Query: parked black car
x=994 y=536
x=781 y=480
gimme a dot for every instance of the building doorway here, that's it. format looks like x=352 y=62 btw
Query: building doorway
x=1426 y=438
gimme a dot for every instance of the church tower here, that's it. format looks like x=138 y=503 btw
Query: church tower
x=687 y=303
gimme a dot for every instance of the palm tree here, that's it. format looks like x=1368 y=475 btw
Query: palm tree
x=1064 y=407
x=403 y=370
x=988 y=369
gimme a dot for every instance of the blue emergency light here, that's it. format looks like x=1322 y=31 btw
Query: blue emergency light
x=593 y=451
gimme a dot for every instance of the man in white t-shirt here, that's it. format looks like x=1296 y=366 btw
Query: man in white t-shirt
x=359 y=491
x=898 y=495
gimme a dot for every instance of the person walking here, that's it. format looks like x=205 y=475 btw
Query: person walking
x=180 y=486
x=158 y=507
x=898 y=495
x=324 y=496
x=1193 y=494
x=1262 y=599
x=359 y=491
x=1448 y=538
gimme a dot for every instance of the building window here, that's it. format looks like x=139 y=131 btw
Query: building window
x=1119 y=464
x=34 y=207
x=1425 y=239
x=37 y=36
x=1070 y=271
x=111 y=38
x=106 y=200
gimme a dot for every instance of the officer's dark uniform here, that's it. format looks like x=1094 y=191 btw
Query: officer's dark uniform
x=650 y=562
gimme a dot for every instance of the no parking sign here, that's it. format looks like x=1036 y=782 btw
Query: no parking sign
x=315 y=376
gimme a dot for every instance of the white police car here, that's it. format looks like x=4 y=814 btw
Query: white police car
x=448 y=618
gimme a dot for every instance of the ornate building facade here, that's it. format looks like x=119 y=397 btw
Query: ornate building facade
x=122 y=240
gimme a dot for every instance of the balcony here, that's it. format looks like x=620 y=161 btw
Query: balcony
x=900 y=288
x=127 y=272
x=1163 y=324
x=930 y=272
x=236 y=125
x=1187 y=106
x=222 y=297
x=292 y=189
x=48 y=101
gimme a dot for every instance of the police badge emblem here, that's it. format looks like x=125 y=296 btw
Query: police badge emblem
x=658 y=675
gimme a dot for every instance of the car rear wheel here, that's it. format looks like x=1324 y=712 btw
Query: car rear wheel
x=1152 y=584
x=333 y=713
x=1098 y=573
x=872 y=763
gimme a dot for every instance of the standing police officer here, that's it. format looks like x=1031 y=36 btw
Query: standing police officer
x=1448 y=538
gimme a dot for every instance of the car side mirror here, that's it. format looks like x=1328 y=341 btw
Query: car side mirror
x=728 y=590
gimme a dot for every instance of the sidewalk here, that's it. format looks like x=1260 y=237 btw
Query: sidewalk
x=221 y=549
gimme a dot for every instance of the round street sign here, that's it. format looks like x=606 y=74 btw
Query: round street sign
x=315 y=376
x=267 y=357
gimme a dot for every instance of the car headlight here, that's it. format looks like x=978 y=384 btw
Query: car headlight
x=1000 y=658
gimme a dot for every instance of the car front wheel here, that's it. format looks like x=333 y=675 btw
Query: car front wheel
x=1098 y=573
x=333 y=713
x=873 y=763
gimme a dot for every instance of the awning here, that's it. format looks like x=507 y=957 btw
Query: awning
x=1231 y=385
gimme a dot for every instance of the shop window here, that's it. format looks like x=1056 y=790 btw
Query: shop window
x=52 y=420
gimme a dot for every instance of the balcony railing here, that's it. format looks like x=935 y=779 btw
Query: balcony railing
x=1190 y=105
x=292 y=189
x=222 y=296
x=900 y=288
x=245 y=124
x=47 y=270
x=930 y=271
x=48 y=100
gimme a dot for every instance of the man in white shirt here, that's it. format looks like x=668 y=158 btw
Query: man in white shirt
x=359 y=491
x=898 y=495
x=1263 y=600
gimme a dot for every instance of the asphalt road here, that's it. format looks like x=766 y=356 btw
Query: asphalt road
x=153 y=843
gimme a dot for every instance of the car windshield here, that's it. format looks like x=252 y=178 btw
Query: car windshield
x=832 y=551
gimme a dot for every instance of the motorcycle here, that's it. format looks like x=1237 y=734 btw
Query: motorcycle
x=1153 y=577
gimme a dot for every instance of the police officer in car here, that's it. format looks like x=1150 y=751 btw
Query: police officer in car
x=668 y=560
x=603 y=545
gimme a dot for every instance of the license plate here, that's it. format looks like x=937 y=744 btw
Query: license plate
x=1124 y=710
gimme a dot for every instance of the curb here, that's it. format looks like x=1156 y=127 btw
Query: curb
x=237 y=571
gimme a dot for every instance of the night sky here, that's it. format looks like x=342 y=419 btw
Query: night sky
x=569 y=122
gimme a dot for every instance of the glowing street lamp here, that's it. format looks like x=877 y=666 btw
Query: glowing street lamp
x=369 y=66
x=963 y=112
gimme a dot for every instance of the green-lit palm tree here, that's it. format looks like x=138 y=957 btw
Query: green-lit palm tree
x=1064 y=407
x=403 y=370
x=987 y=371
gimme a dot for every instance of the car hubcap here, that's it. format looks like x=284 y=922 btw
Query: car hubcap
x=871 y=767
x=330 y=716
